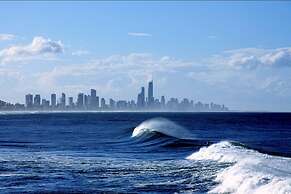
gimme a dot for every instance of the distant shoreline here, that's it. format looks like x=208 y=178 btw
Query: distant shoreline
x=131 y=111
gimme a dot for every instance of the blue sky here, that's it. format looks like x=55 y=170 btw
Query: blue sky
x=236 y=53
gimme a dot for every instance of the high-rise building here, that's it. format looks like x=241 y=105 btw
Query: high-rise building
x=86 y=101
x=97 y=99
x=63 y=100
x=71 y=102
x=163 y=101
x=80 y=100
x=45 y=104
x=53 y=100
x=103 y=103
x=185 y=104
x=93 y=99
x=138 y=101
x=121 y=104
x=151 y=94
x=36 y=100
x=112 y=103
x=29 y=100
x=141 y=98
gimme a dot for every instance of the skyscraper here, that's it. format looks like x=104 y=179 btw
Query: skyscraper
x=86 y=101
x=71 y=102
x=97 y=99
x=36 y=100
x=63 y=100
x=45 y=104
x=103 y=104
x=80 y=100
x=163 y=101
x=141 y=98
x=112 y=103
x=53 y=100
x=151 y=93
x=93 y=99
x=29 y=100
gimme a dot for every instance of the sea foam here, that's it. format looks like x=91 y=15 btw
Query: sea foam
x=250 y=172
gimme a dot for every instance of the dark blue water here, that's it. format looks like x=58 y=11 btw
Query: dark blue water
x=145 y=152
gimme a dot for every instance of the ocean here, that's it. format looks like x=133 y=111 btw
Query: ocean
x=126 y=152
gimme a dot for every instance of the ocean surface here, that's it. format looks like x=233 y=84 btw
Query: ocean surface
x=145 y=153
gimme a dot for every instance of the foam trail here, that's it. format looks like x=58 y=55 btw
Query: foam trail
x=163 y=126
x=251 y=172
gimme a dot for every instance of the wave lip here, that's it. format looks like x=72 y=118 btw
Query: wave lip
x=251 y=171
x=162 y=126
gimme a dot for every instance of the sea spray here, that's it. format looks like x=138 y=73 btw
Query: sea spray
x=251 y=172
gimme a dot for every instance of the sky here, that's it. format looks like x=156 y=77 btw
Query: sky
x=232 y=53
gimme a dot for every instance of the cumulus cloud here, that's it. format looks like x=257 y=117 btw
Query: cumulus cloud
x=252 y=58
x=39 y=46
x=247 y=71
x=135 y=68
x=139 y=34
x=244 y=69
x=6 y=37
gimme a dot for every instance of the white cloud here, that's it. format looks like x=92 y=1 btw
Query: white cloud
x=247 y=72
x=139 y=34
x=252 y=58
x=242 y=69
x=39 y=46
x=6 y=37
x=133 y=69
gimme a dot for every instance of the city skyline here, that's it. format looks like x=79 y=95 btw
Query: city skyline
x=238 y=54
x=93 y=102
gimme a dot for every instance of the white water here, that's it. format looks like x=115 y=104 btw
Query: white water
x=251 y=172
x=163 y=126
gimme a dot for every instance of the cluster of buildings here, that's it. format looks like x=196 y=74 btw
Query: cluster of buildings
x=87 y=102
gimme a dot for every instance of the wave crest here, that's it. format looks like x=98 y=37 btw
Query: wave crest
x=251 y=172
x=163 y=126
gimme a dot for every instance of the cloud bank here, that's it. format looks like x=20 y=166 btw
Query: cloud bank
x=39 y=46
x=253 y=58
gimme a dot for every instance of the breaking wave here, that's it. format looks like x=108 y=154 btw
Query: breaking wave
x=250 y=170
x=162 y=126
x=161 y=132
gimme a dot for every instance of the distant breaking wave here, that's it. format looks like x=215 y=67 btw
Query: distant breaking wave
x=161 y=132
x=162 y=126
x=251 y=172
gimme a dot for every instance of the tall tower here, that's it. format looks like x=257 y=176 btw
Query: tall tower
x=63 y=100
x=93 y=99
x=36 y=100
x=142 y=97
x=29 y=100
x=53 y=100
x=80 y=100
x=163 y=101
x=151 y=93
x=103 y=103
x=71 y=102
